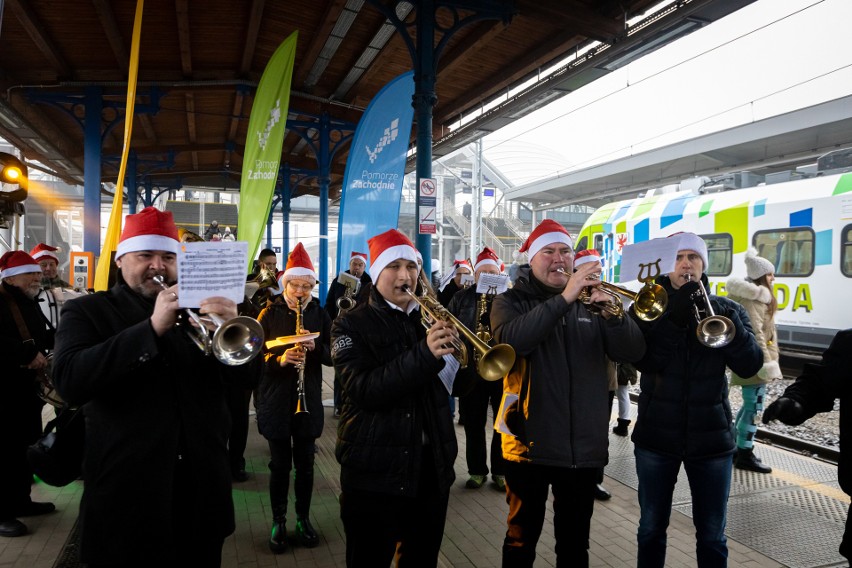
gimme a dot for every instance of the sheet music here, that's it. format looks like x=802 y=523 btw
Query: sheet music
x=499 y=283
x=466 y=280
x=635 y=256
x=509 y=399
x=207 y=269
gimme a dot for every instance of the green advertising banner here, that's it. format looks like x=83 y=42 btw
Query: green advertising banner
x=263 y=145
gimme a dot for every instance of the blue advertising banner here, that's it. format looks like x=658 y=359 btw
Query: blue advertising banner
x=372 y=183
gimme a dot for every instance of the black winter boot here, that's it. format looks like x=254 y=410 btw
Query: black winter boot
x=278 y=538
x=621 y=428
x=307 y=535
x=745 y=459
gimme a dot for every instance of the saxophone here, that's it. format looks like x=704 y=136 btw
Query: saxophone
x=483 y=330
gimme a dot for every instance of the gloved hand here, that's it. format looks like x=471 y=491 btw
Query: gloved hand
x=786 y=410
x=680 y=308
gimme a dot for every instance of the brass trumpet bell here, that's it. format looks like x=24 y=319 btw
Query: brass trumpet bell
x=713 y=330
x=238 y=340
x=493 y=361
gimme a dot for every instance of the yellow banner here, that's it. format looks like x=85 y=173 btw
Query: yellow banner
x=114 y=226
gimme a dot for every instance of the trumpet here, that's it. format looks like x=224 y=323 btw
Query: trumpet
x=713 y=330
x=236 y=341
x=649 y=302
x=492 y=363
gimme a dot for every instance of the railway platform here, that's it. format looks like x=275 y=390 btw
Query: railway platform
x=793 y=517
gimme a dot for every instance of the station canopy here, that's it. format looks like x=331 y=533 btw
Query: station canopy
x=200 y=63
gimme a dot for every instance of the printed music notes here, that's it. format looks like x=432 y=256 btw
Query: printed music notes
x=207 y=269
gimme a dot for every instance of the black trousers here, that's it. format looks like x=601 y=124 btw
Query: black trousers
x=293 y=452
x=20 y=428
x=376 y=523
x=527 y=490
x=238 y=399
x=476 y=403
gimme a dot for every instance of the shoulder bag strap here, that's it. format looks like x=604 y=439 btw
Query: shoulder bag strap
x=16 y=315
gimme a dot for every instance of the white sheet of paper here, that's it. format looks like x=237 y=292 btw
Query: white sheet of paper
x=509 y=398
x=448 y=373
x=500 y=282
x=466 y=280
x=207 y=269
x=634 y=256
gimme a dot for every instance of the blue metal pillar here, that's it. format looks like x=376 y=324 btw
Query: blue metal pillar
x=285 y=215
x=424 y=99
x=324 y=160
x=132 y=182
x=92 y=171
x=424 y=56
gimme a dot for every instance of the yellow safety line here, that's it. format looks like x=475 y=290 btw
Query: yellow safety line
x=812 y=485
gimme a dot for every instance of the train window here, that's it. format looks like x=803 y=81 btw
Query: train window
x=599 y=242
x=846 y=251
x=790 y=250
x=719 y=252
x=582 y=243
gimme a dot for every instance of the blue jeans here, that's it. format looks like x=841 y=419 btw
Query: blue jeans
x=709 y=483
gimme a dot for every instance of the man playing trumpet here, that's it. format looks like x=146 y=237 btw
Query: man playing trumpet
x=395 y=442
x=684 y=414
x=292 y=437
x=156 y=462
x=556 y=420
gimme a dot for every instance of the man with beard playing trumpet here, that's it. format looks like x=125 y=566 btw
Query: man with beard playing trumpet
x=156 y=459
x=291 y=436
x=395 y=442
x=557 y=396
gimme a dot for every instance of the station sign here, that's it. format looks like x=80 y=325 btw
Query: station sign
x=427 y=205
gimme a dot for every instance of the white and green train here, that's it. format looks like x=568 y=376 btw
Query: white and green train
x=804 y=227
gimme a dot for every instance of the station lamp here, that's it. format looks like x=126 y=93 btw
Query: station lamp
x=13 y=172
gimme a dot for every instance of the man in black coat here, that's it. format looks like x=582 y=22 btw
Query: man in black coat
x=358 y=269
x=476 y=394
x=815 y=391
x=24 y=340
x=395 y=442
x=684 y=414
x=157 y=478
x=292 y=436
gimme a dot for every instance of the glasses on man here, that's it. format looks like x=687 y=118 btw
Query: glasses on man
x=301 y=287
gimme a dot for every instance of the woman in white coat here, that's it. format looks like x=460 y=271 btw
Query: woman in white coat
x=756 y=296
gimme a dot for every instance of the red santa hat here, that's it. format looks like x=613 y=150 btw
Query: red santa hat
x=691 y=241
x=488 y=258
x=299 y=267
x=463 y=263
x=42 y=250
x=150 y=229
x=388 y=247
x=279 y=277
x=586 y=256
x=359 y=255
x=547 y=233
x=17 y=262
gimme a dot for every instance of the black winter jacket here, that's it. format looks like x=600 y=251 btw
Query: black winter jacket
x=152 y=405
x=465 y=306
x=277 y=392
x=683 y=407
x=818 y=387
x=394 y=405
x=561 y=374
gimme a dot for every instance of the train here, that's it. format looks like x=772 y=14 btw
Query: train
x=800 y=220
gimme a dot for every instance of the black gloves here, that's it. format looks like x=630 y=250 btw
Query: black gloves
x=680 y=308
x=786 y=410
